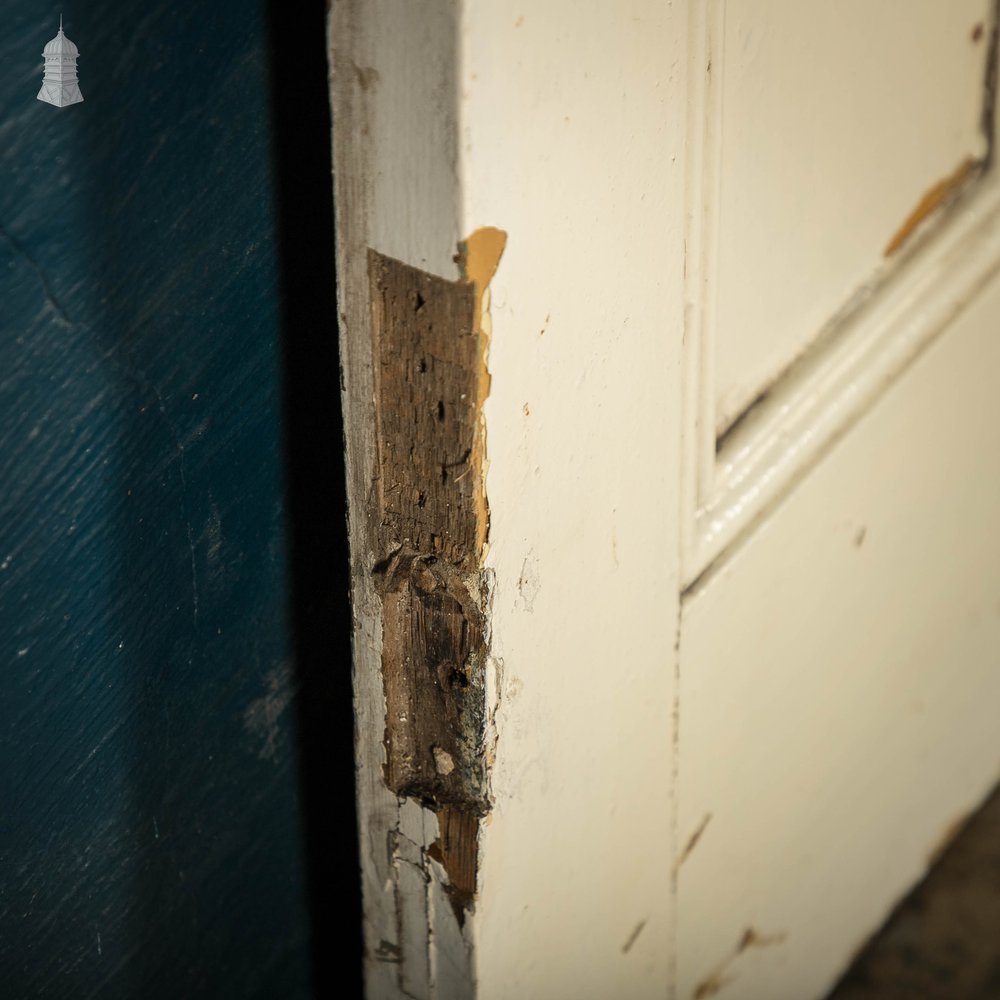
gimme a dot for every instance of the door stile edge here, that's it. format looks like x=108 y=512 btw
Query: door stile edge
x=392 y=79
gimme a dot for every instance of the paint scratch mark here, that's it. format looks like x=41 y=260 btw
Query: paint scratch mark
x=693 y=839
x=633 y=937
x=721 y=976
x=528 y=584
x=754 y=939
x=710 y=986
x=934 y=197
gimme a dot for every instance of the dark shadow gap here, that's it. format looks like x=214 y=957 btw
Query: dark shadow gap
x=317 y=506
x=941 y=939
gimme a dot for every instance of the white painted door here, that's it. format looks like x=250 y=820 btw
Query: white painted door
x=741 y=585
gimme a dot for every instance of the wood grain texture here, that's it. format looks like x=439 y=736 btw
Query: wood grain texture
x=427 y=355
x=433 y=652
x=427 y=358
x=456 y=849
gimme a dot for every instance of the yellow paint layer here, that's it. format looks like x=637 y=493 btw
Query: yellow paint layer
x=478 y=258
x=933 y=198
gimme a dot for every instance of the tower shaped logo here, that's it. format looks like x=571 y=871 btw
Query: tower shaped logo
x=59 y=85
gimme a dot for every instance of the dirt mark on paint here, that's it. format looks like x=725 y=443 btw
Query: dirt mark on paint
x=528 y=584
x=693 y=841
x=721 y=975
x=633 y=937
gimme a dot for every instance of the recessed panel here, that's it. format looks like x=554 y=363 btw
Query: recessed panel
x=835 y=121
x=840 y=685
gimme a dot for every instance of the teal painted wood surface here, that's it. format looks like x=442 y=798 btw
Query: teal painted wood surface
x=151 y=840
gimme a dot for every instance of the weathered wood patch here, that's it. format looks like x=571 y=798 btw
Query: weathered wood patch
x=433 y=665
x=427 y=356
x=428 y=359
x=455 y=848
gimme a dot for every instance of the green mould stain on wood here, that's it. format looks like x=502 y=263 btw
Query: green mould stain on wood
x=428 y=530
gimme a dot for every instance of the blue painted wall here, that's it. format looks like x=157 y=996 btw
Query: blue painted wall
x=151 y=840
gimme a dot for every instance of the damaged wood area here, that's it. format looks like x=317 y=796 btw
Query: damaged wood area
x=428 y=529
x=433 y=664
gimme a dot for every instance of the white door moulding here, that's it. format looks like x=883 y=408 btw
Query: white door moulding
x=729 y=482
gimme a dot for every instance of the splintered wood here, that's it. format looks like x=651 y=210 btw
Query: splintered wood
x=428 y=360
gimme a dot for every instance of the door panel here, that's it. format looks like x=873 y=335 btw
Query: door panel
x=813 y=278
x=840 y=684
x=826 y=123
x=838 y=674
